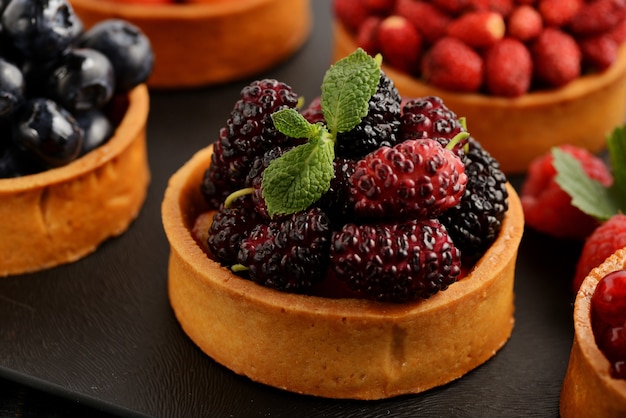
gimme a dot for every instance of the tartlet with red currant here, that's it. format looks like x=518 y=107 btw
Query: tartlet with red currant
x=362 y=246
x=207 y=42
x=73 y=162
x=527 y=68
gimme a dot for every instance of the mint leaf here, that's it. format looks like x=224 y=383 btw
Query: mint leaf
x=587 y=194
x=347 y=88
x=299 y=177
x=616 y=143
x=293 y=124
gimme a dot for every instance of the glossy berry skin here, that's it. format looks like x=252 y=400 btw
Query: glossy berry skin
x=97 y=129
x=40 y=28
x=475 y=222
x=82 y=80
x=608 y=318
x=126 y=46
x=49 y=132
x=289 y=255
x=12 y=89
x=395 y=262
x=414 y=179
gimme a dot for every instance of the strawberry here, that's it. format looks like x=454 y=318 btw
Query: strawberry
x=604 y=241
x=367 y=35
x=453 y=7
x=599 y=52
x=414 y=179
x=597 y=17
x=548 y=208
x=478 y=29
x=503 y=7
x=452 y=65
x=556 y=58
x=558 y=12
x=430 y=21
x=380 y=7
x=351 y=13
x=508 y=68
x=524 y=23
x=400 y=43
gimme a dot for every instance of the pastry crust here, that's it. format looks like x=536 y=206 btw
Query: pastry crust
x=516 y=130
x=208 y=43
x=335 y=348
x=61 y=215
x=588 y=388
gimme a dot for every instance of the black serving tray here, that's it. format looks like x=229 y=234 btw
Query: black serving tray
x=100 y=331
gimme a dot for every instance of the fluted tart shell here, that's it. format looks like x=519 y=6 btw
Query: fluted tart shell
x=63 y=214
x=516 y=130
x=333 y=347
x=212 y=42
x=588 y=388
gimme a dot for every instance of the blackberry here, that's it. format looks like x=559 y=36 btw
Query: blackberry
x=249 y=132
x=378 y=128
x=429 y=117
x=229 y=227
x=395 y=262
x=290 y=255
x=476 y=221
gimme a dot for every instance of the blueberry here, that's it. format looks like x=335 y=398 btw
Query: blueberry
x=97 y=129
x=127 y=47
x=48 y=131
x=12 y=88
x=40 y=29
x=15 y=162
x=81 y=80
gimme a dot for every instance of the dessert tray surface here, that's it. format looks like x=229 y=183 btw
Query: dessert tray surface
x=101 y=330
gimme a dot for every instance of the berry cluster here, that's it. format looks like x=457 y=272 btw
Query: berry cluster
x=60 y=83
x=502 y=47
x=408 y=194
x=608 y=320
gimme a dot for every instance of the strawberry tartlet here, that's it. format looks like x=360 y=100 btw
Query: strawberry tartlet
x=202 y=43
x=591 y=387
x=312 y=256
x=543 y=76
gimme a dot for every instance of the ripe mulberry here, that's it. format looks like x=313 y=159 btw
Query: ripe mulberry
x=249 y=132
x=415 y=179
x=396 y=262
x=290 y=254
x=378 y=128
x=476 y=221
x=337 y=201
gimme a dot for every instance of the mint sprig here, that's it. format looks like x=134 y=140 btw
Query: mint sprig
x=588 y=194
x=301 y=176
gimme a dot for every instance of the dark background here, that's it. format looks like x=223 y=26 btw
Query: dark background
x=98 y=337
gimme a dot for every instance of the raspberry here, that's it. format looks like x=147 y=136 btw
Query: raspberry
x=524 y=23
x=414 y=179
x=508 y=68
x=547 y=208
x=476 y=221
x=395 y=262
x=603 y=241
x=608 y=318
x=400 y=43
x=229 y=227
x=429 y=117
x=427 y=19
x=558 y=13
x=556 y=58
x=597 y=17
x=452 y=65
x=378 y=128
x=290 y=255
x=249 y=132
x=478 y=29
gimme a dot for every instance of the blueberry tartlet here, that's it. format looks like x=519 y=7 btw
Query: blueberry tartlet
x=285 y=269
